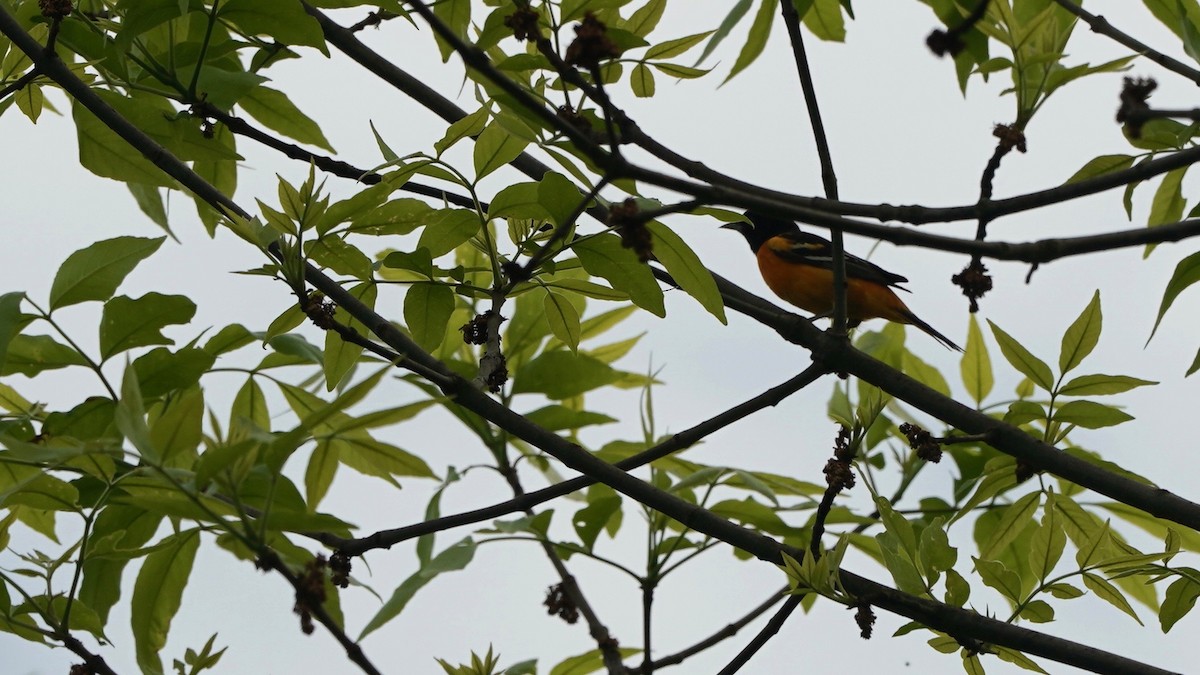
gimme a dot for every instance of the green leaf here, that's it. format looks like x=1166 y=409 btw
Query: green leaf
x=1090 y=415
x=641 y=80
x=1016 y=517
x=11 y=320
x=456 y=14
x=150 y=202
x=427 y=310
x=670 y=48
x=93 y=273
x=1081 y=337
x=976 y=365
x=175 y=426
x=340 y=355
x=106 y=154
x=127 y=323
x=587 y=663
x=32 y=354
x=1021 y=359
x=756 y=41
x=1017 y=658
x=958 y=591
x=1046 y=546
x=452 y=228
x=603 y=256
x=467 y=127
x=160 y=371
x=731 y=19
x=1101 y=385
x=686 y=268
x=1098 y=166
x=1186 y=273
x=1178 y=601
x=117 y=529
x=559 y=196
x=519 y=200
x=130 y=417
x=274 y=110
x=645 y=19
x=936 y=553
x=559 y=418
x=495 y=147
x=824 y=19
x=560 y=375
x=1168 y=203
x=1109 y=593
x=591 y=519
x=335 y=254
x=1037 y=611
x=997 y=576
x=563 y=319
x=284 y=20
x=454 y=558
x=157 y=595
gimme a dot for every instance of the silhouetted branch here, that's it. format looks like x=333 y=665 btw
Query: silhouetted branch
x=1100 y=25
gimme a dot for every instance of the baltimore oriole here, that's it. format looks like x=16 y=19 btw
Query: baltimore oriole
x=798 y=267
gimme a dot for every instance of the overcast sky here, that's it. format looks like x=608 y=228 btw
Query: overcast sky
x=900 y=133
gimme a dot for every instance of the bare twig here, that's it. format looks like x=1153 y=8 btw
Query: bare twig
x=1100 y=25
x=768 y=631
x=717 y=637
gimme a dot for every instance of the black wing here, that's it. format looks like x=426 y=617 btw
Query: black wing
x=809 y=249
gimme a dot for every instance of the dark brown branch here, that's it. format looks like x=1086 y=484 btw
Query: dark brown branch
x=95 y=663
x=19 y=83
x=1100 y=25
x=336 y=167
x=373 y=19
x=680 y=441
x=1006 y=438
x=270 y=561
x=760 y=639
x=717 y=637
x=791 y=19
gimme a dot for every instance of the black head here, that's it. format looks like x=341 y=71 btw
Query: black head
x=759 y=227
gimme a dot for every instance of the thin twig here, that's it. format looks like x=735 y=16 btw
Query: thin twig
x=768 y=631
x=1100 y=25
x=791 y=18
x=680 y=441
x=717 y=637
x=19 y=83
x=269 y=560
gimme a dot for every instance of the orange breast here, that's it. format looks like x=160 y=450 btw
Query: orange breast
x=811 y=288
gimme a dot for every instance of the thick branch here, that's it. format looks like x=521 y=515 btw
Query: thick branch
x=1006 y=438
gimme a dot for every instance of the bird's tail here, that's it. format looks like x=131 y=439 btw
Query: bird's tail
x=914 y=320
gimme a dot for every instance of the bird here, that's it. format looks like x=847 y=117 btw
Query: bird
x=798 y=267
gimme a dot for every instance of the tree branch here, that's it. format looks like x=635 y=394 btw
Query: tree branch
x=1101 y=25
x=680 y=441
x=717 y=637
x=791 y=19
x=932 y=614
x=760 y=639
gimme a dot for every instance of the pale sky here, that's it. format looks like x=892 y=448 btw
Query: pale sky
x=900 y=133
